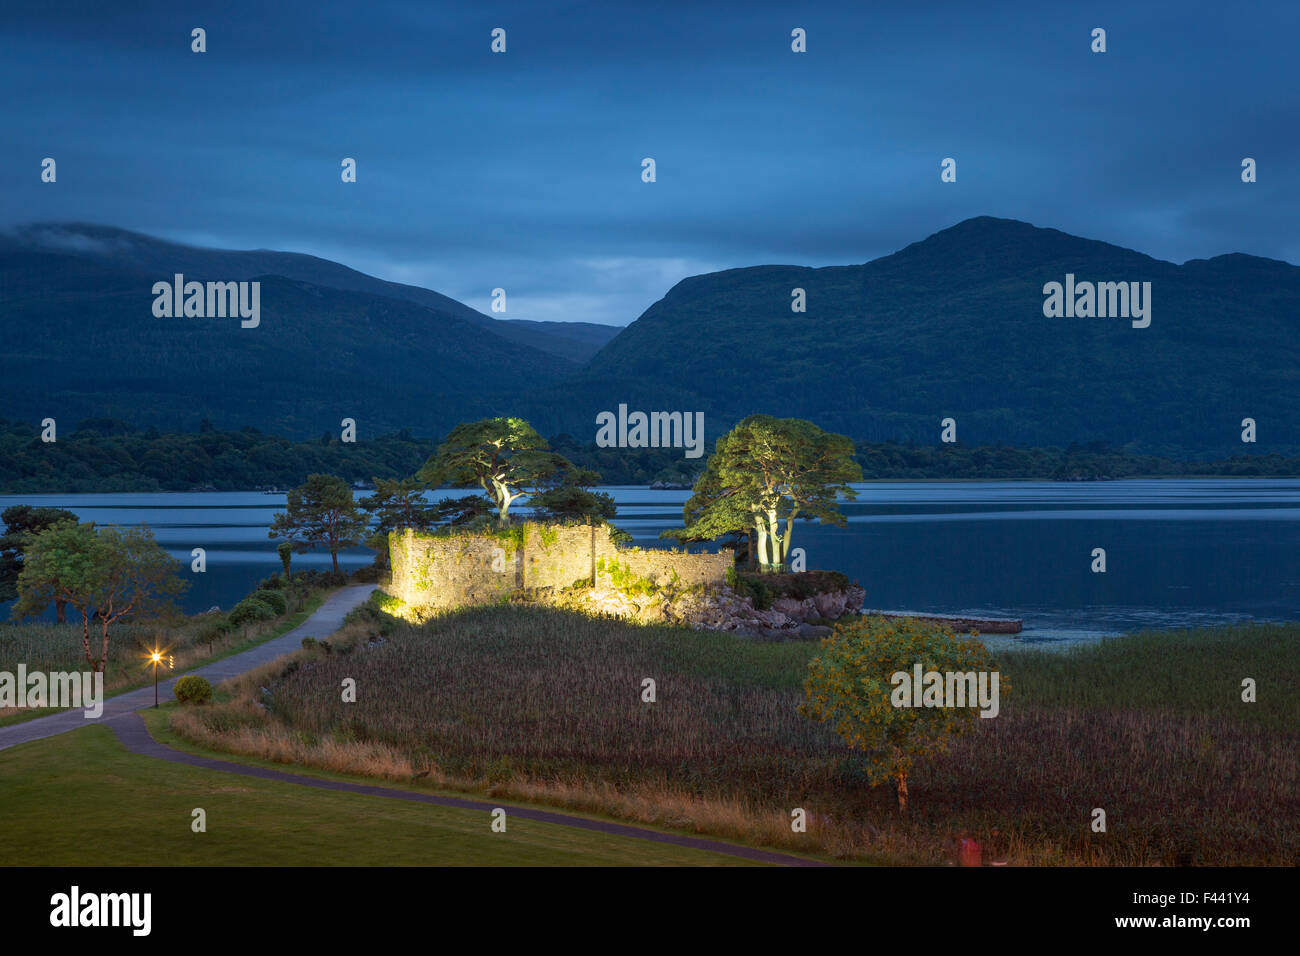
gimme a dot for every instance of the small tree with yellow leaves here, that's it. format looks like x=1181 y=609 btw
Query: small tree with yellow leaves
x=852 y=686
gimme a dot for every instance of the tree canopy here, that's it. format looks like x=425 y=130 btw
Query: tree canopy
x=764 y=475
x=570 y=502
x=321 y=513
x=399 y=503
x=22 y=523
x=850 y=687
x=505 y=457
x=105 y=575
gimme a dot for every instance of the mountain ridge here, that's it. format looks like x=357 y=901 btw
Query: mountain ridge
x=148 y=255
x=941 y=327
x=951 y=325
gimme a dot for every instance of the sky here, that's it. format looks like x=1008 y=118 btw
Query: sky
x=522 y=170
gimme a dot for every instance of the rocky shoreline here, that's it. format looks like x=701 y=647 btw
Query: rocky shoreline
x=722 y=609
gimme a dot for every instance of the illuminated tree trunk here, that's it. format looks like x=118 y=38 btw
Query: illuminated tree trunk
x=786 y=539
x=902 y=791
x=778 y=546
x=501 y=498
x=760 y=547
x=507 y=500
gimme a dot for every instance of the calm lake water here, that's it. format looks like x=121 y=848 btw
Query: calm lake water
x=1178 y=553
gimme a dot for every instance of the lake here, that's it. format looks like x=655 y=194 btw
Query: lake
x=1178 y=552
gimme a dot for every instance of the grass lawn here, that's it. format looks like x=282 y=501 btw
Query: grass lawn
x=80 y=799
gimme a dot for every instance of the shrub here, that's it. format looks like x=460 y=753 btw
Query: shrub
x=193 y=689
x=308 y=643
x=250 y=610
x=285 y=550
x=795 y=584
x=274 y=599
x=273 y=583
x=212 y=632
x=367 y=613
x=851 y=686
x=752 y=587
x=319 y=579
x=367 y=574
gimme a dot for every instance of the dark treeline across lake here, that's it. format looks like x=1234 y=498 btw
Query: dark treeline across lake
x=1179 y=552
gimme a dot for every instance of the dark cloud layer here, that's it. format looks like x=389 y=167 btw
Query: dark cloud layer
x=523 y=170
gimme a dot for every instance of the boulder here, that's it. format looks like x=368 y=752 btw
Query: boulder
x=790 y=607
x=830 y=606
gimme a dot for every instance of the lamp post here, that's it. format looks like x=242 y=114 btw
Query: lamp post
x=156 y=657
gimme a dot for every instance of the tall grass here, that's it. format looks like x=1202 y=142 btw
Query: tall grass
x=1197 y=672
x=541 y=704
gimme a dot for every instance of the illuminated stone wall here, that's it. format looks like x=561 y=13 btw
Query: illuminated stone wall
x=446 y=571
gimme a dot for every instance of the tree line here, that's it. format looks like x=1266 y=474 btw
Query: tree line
x=105 y=455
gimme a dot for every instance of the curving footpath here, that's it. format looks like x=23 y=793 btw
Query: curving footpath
x=327 y=619
x=120 y=713
x=135 y=736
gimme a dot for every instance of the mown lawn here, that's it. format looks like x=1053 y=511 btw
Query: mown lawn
x=80 y=799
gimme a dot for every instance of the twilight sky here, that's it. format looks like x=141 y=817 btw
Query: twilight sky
x=523 y=170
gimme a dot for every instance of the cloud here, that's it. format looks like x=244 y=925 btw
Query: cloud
x=522 y=170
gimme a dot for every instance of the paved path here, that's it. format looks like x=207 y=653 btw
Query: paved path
x=120 y=715
x=325 y=621
x=136 y=738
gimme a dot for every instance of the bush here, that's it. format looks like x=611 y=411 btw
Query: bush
x=319 y=579
x=273 y=583
x=367 y=574
x=210 y=633
x=274 y=599
x=193 y=689
x=752 y=587
x=798 y=585
x=367 y=613
x=250 y=610
x=308 y=643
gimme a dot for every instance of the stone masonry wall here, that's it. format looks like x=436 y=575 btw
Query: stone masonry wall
x=446 y=571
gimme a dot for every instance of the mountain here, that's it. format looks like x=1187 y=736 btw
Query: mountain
x=130 y=251
x=954 y=326
x=79 y=339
